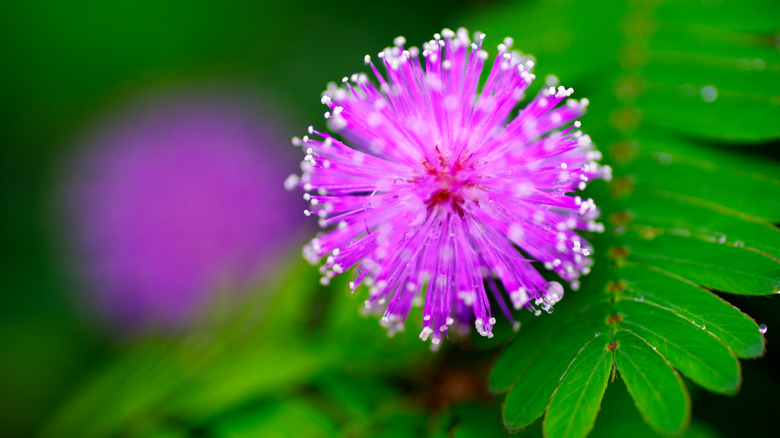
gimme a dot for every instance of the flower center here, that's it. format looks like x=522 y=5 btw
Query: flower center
x=446 y=186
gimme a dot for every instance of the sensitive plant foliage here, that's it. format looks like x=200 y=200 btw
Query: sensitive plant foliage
x=437 y=187
x=171 y=201
x=687 y=215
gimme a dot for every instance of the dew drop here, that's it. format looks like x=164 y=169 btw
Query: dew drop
x=664 y=158
x=554 y=292
x=709 y=93
x=719 y=237
x=762 y=328
x=639 y=298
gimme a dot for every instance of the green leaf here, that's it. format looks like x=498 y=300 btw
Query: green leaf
x=702 y=100
x=661 y=164
x=619 y=418
x=711 y=264
x=657 y=389
x=566 y=322
x=688 y=346
x=730 y=15
x=575 y=404
x=539 y=376
x=657 y=211
x=715 y=160
x=685 y=214
x=735 y=329
x=687 y=58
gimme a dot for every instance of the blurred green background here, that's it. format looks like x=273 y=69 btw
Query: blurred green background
x=293 y=359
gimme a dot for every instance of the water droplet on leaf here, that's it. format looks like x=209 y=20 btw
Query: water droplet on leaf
x=709 y=94
x=664 y=158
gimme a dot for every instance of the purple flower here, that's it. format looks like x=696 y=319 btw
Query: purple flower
x=436 y=187
x=176 y=199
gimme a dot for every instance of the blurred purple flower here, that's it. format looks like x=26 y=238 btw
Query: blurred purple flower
x=176 y=199
x=435 y=189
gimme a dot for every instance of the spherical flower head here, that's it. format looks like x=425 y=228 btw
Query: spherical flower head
x=176 y=199
x=435 y=194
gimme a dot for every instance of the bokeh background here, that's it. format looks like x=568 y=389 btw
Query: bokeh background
x=151 y=277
